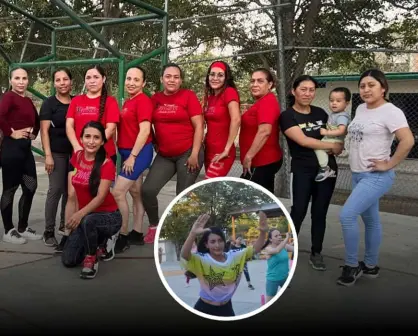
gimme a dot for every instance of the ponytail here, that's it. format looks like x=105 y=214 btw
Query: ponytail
x=103 y=99
x=95 y=175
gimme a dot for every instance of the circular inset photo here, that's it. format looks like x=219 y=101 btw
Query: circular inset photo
x=226 y=249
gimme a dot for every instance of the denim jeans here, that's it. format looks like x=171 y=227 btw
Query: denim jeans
x=368 y=188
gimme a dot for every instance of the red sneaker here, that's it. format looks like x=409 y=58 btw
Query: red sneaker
x=150 y=236
x=90 y=267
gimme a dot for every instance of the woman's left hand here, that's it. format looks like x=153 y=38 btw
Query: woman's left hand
x=219 y=157
x=263 y=225
x=192 y=163
x=246 y=164
x=128 y=165
x=75 y=220
x=379 y=165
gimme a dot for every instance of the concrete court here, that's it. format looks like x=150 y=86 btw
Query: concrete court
x=38 y=295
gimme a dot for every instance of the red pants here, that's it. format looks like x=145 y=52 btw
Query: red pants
x=221 y=168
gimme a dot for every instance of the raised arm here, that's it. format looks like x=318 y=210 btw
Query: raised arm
x=263 y=227
x=197 y=228
x=283 y=245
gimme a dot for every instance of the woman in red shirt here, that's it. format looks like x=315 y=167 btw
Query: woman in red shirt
x=178 y=125
x=19 y=123
x=261 y=155
x=95 y=105
x=91 y=213
x=223 y=119
x=136 y=150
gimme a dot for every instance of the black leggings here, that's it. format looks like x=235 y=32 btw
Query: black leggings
x=304 y=188
x=94 y=230
x=264 y=175
x=206 y=308
x=18 y=168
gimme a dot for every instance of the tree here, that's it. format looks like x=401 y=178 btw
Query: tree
x=218 y=199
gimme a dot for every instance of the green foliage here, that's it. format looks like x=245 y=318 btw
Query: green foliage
x=218 y=199
x=325 y=23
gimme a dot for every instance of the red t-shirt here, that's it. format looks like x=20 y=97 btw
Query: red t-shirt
x=174 y=130
x=80 y=181
x=218 y=120
x=266 y=110
x=84 y=109
x=134 y=111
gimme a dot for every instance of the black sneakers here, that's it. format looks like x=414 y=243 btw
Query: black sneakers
x=122 y=243
x=136 y=238
x=349 y=275
x=317 y=262
x=61 y=245
x=369 y=272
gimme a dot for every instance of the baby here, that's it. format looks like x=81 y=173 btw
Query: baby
x=336 y=130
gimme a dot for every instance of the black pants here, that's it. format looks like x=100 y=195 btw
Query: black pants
x=206 y=308
x=18 y=168
x=94 y=230
x=264 y=175
x=304 y=188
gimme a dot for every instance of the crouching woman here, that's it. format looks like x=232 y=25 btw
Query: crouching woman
x=92 y=214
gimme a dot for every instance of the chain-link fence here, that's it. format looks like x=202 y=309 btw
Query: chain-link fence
x=307 y=38
x=334 y=43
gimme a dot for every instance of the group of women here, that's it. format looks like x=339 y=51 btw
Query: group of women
x=81 y=136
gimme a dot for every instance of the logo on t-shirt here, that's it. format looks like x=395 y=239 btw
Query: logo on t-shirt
x=210 y=110
x=167 y=109
x=309 y=127
x=86 y=110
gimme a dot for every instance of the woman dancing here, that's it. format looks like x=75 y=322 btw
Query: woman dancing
x=219 y=272
x=277 y=250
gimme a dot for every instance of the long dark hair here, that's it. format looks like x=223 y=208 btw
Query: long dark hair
x=229 y=81
x=380 y=77
x=268 y=241
x=201 y=246
x=291 y=98
x=103 y=96
x=94 y=180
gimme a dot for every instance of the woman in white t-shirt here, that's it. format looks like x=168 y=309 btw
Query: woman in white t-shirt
x=370 y=137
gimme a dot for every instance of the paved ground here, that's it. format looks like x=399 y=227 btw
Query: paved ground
x=38 y=295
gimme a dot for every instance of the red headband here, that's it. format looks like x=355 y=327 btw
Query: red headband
x=219 y=65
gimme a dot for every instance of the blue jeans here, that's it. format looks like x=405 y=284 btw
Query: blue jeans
x=368 y=188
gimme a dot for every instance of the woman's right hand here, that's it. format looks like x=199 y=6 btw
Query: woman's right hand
x=199 y=225
x=49 y=164
x=19 y=134
x=77 y=148
x=337 y=149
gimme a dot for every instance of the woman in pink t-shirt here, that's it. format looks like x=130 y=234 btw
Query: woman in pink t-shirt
x=223 y=119
x=178 y=133
x=370 y=137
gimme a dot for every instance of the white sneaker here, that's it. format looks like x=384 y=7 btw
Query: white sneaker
x=14 y=237
x=30 y=234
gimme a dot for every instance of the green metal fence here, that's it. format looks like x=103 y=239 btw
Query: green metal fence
x=115 y=56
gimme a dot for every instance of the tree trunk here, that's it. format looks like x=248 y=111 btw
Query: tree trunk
x=178 y=250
